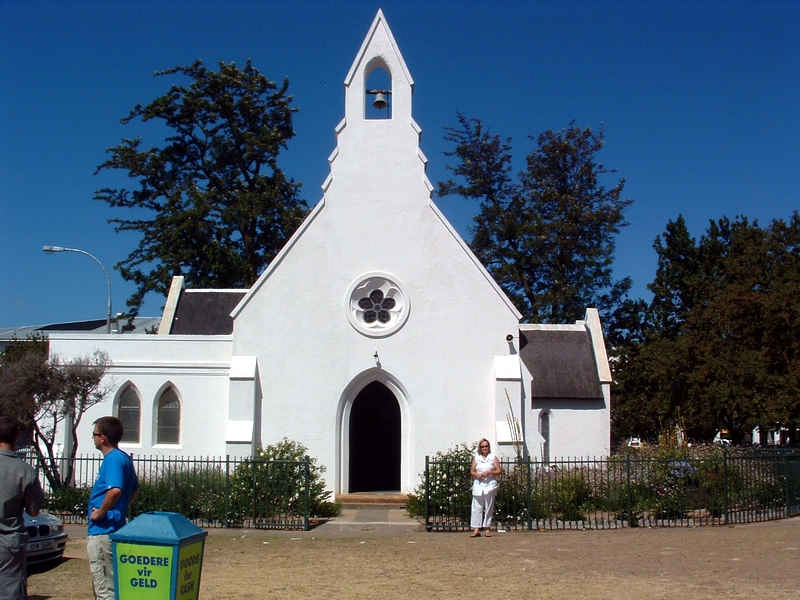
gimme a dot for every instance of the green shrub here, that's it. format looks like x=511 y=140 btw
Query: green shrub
x=511 y=504
x=450 y=486
x=272 y=485
x=540 y=503
x=711 y=488
x=327 y=509
x=628 y=503
x=68 y=500
x=670 y=480
x=571 y=496
x=196 y=492
x=768 y=494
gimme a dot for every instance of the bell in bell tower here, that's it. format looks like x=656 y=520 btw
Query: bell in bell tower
x=378 y=92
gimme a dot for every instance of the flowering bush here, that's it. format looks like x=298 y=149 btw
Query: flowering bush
x=450 y=484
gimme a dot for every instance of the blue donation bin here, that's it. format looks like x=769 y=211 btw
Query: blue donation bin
x=158 y=556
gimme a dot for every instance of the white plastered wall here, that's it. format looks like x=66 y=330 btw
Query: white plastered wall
x=376 y=215
x=197 y=366
x=509 y=404
x=577 y=428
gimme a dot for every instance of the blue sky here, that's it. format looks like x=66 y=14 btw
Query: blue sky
x=699 y=102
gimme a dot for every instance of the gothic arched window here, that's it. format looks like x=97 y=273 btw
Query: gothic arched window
x=168 y=417
x=129 y=411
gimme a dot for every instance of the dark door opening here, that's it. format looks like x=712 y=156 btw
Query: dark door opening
x=375 y=440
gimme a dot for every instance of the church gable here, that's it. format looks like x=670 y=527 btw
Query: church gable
x=376 y=213
x=387 y=47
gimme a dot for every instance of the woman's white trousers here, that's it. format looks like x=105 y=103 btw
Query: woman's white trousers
x=482 y=509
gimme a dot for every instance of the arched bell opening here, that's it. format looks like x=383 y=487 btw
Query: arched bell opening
x=377 y=90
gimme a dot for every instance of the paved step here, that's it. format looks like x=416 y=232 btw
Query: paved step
x=373 y=500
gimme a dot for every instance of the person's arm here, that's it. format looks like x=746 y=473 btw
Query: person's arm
x=33 y=498
x=110 y=499
x=473 y=471
x=496 y=470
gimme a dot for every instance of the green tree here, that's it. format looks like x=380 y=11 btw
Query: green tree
x=48 y=397
x=677 y=278
x=549 y=238
x=210 y=203
x=719 y=344
x=650 y=359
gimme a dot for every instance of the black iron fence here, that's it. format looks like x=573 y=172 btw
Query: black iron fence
x=616 y=492
x=212 y=492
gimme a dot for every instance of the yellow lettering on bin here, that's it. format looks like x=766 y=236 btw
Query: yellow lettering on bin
x=143 y=571
x=190 y=561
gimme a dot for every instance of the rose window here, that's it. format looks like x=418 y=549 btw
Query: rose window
x=377 y=305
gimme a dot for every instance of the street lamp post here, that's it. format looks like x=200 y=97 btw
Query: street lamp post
x=105 y=272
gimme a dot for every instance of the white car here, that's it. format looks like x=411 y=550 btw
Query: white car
x=46 y=538
x=722 y=438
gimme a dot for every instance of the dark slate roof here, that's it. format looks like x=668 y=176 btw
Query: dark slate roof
x=206 y=312
x=95 y=325
x=561 y=363
x=140 y=325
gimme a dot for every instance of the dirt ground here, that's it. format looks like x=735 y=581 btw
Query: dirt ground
x=400 y=560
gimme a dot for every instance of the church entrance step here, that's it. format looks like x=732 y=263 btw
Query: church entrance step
x=373 y=500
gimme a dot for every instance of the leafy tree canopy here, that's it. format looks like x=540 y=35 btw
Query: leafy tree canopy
x=548 y=237
x=719 y=345
x=211 y=203
x=49 y=396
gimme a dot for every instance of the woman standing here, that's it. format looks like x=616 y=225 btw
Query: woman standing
x=485 y=469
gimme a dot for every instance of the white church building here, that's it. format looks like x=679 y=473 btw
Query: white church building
x=375 y=337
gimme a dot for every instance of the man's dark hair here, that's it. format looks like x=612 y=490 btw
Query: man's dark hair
x=111 y=427
x=9 y=430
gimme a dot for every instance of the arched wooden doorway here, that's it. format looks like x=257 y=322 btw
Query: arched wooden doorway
x=374 y=440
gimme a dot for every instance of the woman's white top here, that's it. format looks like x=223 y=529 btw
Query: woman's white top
x=484 y=464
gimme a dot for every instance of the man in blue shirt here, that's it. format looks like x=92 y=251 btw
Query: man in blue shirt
x=114 y=489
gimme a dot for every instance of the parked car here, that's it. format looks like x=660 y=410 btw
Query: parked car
x=46 y=538
x=722 y=438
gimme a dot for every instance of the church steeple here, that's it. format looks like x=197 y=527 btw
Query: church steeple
x=377 y=151
x=378 y=51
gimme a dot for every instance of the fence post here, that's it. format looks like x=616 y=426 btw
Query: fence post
x=428 y=525
x=632 y=522
x=307 y=469
x=253 y=497
x=787 y=488
x=725 y=483
x=227 y=489
x=528 y=491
